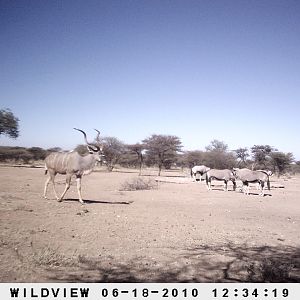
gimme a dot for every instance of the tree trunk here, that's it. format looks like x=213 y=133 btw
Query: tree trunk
x=159 y=169
x=141 y=163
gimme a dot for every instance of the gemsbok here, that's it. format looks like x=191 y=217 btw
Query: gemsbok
x=224 y=175
x=198 y=170
x=72 y=163
x=248 y=176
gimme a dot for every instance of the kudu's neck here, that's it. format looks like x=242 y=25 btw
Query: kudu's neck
x=89 y=161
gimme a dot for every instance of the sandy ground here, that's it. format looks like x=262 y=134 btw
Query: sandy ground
x=176 y=232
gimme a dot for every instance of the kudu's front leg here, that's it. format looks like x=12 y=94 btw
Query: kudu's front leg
x=78 y=180
x=68 y=183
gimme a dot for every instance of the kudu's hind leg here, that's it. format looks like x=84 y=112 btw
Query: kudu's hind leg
x=46 y=186
x=68 y=183
x=50 y=178
x=78 y=180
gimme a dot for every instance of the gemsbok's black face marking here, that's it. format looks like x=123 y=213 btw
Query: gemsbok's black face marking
x=72 y=163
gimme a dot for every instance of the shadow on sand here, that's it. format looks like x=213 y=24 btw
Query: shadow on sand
x=225 y=263
x=88 y=201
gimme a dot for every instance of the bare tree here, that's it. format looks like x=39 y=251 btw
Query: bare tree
x=242 y=154
x=163 y=148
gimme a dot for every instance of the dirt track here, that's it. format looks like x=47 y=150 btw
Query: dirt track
x=174 y=233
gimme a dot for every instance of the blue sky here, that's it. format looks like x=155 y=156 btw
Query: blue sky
x=200 y=70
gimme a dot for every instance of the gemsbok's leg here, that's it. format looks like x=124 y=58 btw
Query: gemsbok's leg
x=225 y=188
x=234 y=185
x=193 y=176
x=262 y=186
x=208 y=184
x=78 y=180
x=68 y=183
x=246 y=188
x=201 y=177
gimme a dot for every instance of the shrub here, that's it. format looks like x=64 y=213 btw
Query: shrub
x=269 y=270
x=137 y=184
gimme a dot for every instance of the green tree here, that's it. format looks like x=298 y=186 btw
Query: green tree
x=261 y=154
x=281 y=162
x=16 y=154
x=54 y=149
x=138 y=150
x=296 y=167
x=81 y=149
x=37 y=153
x=163 y=149
x=113 y=149
x=217 y=156
x=219 y=159
x=193 y=158
x=216 y=145
x=9 y=124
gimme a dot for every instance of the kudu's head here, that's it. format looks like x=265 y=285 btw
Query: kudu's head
x=93 y=149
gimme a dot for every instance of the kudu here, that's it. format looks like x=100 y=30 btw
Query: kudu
x=72 y=163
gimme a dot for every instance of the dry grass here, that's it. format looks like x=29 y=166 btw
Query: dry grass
x=51 y=258
x=137 y=184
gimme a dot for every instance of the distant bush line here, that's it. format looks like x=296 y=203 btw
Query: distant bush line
x=215 y=156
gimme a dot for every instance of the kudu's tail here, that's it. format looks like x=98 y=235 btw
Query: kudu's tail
x=46 y=170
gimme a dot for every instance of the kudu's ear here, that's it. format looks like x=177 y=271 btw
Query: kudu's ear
x=92 y=150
